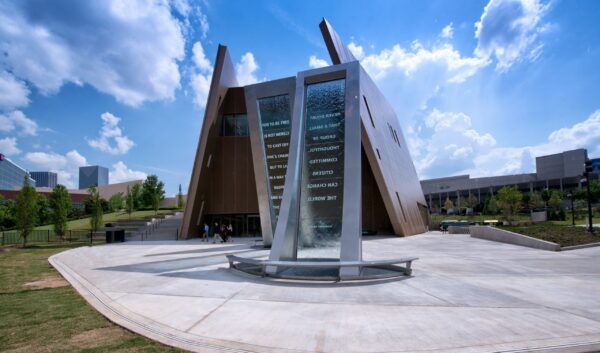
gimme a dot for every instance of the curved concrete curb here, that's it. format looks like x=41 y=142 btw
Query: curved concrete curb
x=145 y=327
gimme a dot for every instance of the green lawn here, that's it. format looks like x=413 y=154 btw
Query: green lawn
x=439 y=218
x=40 y=312
x=84 y=223
x=556 y=233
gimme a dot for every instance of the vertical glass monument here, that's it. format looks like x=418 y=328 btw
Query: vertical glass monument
x=322 y=178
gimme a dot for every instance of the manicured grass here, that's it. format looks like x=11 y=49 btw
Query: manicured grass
x=84 y=223
x=560 y=234
x=439 y=218
x=49 y=316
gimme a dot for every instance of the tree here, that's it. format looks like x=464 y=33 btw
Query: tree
x=96 y=213
x=472 y=201
x=129 y=202
x=555 y=200
x=509 y=200
x=60 y=204
x=180 y=202
x=448 y=204
x=43 y=210
x=153 y=192
x=116 y=202
x=491 y=205
x=26 y=209
x=536 y=201
x=136 y=194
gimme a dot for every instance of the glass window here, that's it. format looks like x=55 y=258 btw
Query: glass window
x=235 y=125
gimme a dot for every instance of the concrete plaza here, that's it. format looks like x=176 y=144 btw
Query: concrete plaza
x=465 y=295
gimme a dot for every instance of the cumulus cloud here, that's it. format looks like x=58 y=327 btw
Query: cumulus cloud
x=121 y=173
x=246 y=70
x=202 y=71
x=447 y=32
x=412 y=76
x=130 y=50
x=8 y=146
x=452 y=145
x=315 y=63
x=111 y=132
x=13 y=93
x=18 y=121
x=509 y=29
x=66 y=166
x=455 y=148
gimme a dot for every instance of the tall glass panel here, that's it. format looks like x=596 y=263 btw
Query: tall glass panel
x=321 y=197
x=274 y=116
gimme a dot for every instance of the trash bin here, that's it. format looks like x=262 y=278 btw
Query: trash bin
x=115 y=235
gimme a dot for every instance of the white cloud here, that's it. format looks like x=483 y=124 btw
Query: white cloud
x=13 y=93
x=447 y=32
x=509 y=30
x=66 y=166
x=202 y=71
x=110 y=130
x=451 y=147
x=315 y=63
x=458 y=149
x=130 y=50
x=246 y=70
x=120 y=173
x=17 y=120
x=356 y=50
x=8 y=146
x=412 y=76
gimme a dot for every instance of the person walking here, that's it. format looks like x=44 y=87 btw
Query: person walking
x=205 y=233
x=216 y=232
x=223 y=233
x=230 y=232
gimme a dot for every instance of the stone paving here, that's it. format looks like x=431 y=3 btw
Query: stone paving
x=465 y=295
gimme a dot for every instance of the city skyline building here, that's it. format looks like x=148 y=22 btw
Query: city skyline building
x=12 y=175
x=92 y=175
x=44 y=179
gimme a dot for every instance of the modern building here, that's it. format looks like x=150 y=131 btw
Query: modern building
x=313 y=160
x=44 y=179
x=561 y=171
x=109 y=190
x=11 y=175
x=92 y=175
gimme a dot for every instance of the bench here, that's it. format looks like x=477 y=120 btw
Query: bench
x=389 y=265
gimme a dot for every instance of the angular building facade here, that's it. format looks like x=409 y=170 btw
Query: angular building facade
x=44 y=179
x=310 y=160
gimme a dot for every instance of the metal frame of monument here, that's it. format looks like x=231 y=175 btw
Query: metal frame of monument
x=302 y=221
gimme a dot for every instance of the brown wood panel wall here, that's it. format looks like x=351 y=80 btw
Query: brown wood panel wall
x=374 y=214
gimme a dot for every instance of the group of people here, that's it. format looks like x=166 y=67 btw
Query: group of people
x=217 y=232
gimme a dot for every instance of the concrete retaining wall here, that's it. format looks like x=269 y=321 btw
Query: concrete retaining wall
x=504 y=236
x=459 y=230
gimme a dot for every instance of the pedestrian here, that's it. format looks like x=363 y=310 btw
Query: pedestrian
x=223 y=233
x=230 y=232
x=216 y=232
x=205 y=233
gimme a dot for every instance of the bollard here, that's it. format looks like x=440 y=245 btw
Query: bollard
x=91 y=238
x=48 y=235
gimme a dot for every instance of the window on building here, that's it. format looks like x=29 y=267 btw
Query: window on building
x=235 y=125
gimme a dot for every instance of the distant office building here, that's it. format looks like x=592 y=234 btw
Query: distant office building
x=560 y=171
x=44 y=179
x=11 y=175
x=92 y=175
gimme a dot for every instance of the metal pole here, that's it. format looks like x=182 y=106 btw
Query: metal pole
x=589 y=199
x=48 y=235
x=91 y=238
x=572 y=211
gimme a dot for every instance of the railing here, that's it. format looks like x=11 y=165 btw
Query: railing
x=12 y=237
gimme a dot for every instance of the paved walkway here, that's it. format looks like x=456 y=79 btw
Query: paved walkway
x=466 y=295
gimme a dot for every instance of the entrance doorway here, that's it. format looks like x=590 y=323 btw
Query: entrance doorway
x=242 y=224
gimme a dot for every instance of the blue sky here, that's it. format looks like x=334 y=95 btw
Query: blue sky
x=480 y=87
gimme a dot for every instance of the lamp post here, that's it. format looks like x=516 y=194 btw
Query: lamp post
x=586 y=174
x=570 y=195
